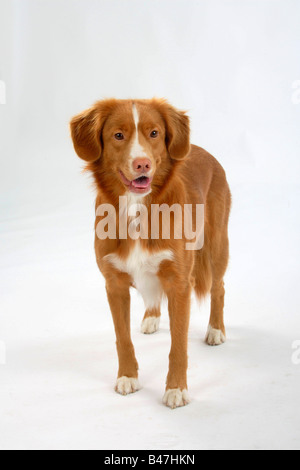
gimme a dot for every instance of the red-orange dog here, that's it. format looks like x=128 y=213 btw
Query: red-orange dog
x=140 y=149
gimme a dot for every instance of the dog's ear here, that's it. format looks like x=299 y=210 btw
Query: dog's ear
x=86 y=129
x=177 y=130
x=85 y=133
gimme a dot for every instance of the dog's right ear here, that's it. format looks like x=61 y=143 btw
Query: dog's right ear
x=86 y=134
x=86 y=129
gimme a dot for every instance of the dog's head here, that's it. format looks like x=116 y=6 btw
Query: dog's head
x=134 y=142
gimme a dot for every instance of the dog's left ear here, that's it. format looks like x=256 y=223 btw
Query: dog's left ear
x=177 y=130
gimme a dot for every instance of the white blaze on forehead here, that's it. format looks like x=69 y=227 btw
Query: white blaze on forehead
x=136 y=149
x=135 y=116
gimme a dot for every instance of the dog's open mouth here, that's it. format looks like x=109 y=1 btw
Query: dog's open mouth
x=140 y=185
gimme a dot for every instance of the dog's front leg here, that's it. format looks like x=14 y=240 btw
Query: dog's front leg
x=117 y=288
x=179 y=311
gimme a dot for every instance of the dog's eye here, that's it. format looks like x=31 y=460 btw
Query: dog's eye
x=154 y=134
x=119 y=136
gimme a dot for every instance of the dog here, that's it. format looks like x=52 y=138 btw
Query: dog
x=140 y=150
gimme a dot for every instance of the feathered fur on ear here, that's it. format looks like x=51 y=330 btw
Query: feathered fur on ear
x=177 y=130
x=86 y=130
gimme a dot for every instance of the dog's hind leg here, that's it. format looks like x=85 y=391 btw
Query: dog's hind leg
x=216 y=329
x=150 y=323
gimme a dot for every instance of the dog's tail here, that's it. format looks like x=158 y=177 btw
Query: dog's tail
x=202 y=273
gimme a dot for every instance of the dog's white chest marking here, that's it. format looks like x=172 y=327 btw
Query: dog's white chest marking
x=143 y=266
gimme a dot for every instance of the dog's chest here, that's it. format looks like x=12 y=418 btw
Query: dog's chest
x=143 y=266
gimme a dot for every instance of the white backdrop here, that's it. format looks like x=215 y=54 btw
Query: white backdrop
x=234 y=65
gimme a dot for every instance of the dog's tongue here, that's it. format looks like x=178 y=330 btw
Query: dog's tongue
x=141 y=182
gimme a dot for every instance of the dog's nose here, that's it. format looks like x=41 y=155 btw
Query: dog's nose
x=141 y=165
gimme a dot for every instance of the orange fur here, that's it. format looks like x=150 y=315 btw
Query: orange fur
x=182 y=174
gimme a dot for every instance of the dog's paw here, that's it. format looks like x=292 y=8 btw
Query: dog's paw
x=174 y=397
x=214 y=337
x=126 y=385
x=150 y=325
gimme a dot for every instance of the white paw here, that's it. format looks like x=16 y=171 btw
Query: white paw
x=150 y=325
x=126 y=385
x=214 y=337
x=175 y=397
